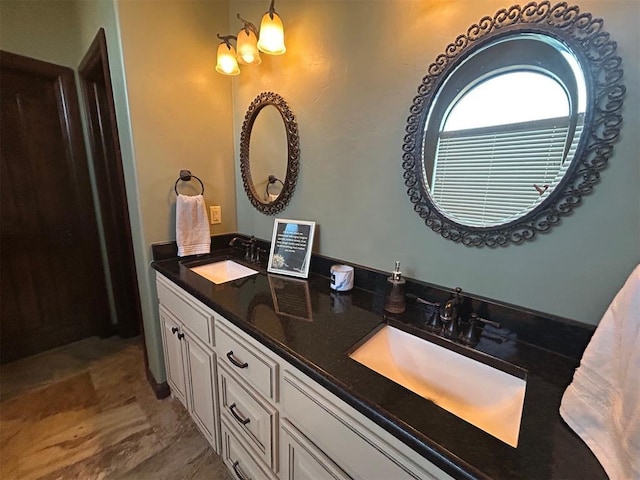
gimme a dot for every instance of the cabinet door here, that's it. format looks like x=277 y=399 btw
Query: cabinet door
x=302 y=460
x=173 y=355
x=202 y=399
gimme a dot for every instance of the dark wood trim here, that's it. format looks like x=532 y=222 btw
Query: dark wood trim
x=161 y=390
x=99 y=104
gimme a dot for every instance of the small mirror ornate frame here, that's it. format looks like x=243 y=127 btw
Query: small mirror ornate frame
x=265 y=201
x=512 y=124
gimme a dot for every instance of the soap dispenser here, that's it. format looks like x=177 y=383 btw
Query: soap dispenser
x=394 y=300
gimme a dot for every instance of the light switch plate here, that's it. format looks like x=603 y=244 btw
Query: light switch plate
x=215 y=213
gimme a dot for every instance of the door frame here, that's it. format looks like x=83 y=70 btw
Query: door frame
x=95 y=80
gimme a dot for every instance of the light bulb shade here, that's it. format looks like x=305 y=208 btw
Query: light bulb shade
x=226 y=61
x=271 y=39
x=248 y=53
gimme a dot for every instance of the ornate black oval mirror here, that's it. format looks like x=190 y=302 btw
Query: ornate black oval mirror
x=512 y=124
x=269 y=153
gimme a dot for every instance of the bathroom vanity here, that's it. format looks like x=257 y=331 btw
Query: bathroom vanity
x=274 y=390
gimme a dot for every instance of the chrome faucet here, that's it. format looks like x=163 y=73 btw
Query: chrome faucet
x=455 y=320
x=449 y=314
x=252 y=250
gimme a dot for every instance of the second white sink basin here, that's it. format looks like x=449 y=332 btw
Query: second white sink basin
x=482 y=395
x=224 y=271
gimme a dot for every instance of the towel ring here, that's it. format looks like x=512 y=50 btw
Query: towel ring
x=272 y=180
x=185 y=176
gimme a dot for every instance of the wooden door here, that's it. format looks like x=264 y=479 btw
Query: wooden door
x=52 y=283
x=99 y=105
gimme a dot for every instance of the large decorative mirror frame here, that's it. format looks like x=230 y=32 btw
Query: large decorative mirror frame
x=591 y=46
x=293 y=153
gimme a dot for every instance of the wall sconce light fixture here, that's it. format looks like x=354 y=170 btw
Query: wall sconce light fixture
x=226 y=58
x=271 y=39
x=248 y=53
x=250 y=43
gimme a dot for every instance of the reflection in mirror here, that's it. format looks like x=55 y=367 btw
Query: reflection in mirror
x=495 y=149
x=268 y=152
x=492 y=168
x=273 y=194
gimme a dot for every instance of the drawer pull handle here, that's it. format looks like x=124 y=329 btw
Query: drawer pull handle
x=232 y=409
x=180 y=336
x=238 y=471
x=233 y=360
x=174 y=330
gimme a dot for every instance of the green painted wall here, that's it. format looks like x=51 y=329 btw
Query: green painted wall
x=45 y=30
x=180 y=113
x=350 y=73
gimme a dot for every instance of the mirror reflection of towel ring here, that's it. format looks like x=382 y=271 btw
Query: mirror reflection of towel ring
x=272 y=180
x=185 y=176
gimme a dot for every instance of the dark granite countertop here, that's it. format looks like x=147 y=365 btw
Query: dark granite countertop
x=317 y=336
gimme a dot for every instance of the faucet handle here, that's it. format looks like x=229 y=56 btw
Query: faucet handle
x=470 y=334
x=434 y=323
x=474 y=317
x=260 y=250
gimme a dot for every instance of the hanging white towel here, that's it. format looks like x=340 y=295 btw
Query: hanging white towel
x=192 y=226
x=602 y=404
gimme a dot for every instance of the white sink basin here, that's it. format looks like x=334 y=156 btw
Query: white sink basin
x=224 y=271
x=484 y=396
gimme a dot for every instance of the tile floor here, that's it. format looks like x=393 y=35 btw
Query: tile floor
x=86 y=411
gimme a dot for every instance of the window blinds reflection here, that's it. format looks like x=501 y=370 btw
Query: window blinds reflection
x=483 y=177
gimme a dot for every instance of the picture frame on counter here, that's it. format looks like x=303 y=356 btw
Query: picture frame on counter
x=291 y=247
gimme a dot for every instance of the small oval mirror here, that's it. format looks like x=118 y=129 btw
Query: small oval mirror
x=269 y=153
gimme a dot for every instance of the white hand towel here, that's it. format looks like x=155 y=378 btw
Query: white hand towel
x=602 y=404
x=192 y=226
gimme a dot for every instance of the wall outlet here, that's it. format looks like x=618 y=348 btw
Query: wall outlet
x=216 y=214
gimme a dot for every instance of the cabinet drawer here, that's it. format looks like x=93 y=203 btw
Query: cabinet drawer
x=238 y=459
x=302 y=460
x=247 y=362
x=356 y=449
x=186 y=308
x=255 y=420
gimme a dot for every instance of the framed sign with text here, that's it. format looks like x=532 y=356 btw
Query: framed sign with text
x=291 y=247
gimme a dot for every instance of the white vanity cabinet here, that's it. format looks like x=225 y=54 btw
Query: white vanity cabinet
x=265 y=417
x=190 y=361
x=248 y=395
x=295 y=426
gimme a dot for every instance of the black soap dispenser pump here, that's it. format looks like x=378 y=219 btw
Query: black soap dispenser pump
x=394 y=299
